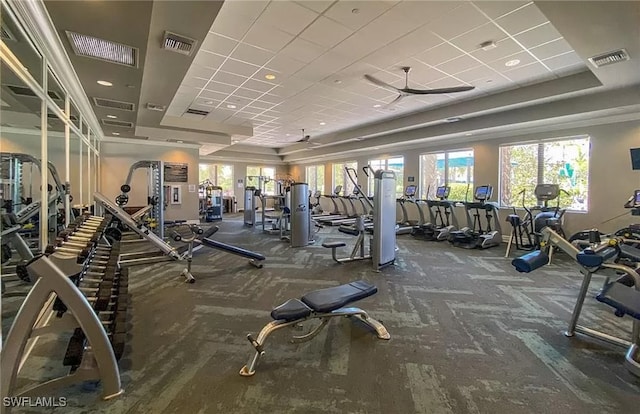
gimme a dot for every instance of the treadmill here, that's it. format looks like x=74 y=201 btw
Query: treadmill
x=405 y=226
x=336 y=214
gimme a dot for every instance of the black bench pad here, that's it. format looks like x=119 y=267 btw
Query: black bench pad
x=291 y=310
x=625 y=299
x=629 y=252
x=348 y=230
x=333 y=245
x=329 y=299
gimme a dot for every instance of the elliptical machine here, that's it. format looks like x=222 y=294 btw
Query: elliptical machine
x=442 y=217
x=474 y=235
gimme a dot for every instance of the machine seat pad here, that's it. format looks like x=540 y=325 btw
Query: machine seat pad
x=625 y=299
x=348 y=230
x=329 y=299
x=291 y=310
x=333 y=245
x=629 y=252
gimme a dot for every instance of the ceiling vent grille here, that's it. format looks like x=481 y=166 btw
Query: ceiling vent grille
x=177 y=43
x=609 y=58
x=24 y=91
x=5 y=34
x=197 y=112
x=154 y=107
x=108 y=51
x=119 y=124
x=111 y=104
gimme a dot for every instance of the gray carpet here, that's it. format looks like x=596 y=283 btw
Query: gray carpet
x=469 y=335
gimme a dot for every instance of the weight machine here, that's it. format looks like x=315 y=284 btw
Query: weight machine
x=210 y=201
x=155 y=193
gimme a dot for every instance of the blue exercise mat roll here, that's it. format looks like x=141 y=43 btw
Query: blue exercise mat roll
x=530 y=261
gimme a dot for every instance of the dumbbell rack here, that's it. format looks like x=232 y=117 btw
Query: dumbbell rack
x=89 y=295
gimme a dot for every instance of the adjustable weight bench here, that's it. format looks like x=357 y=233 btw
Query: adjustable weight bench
x=321 y=304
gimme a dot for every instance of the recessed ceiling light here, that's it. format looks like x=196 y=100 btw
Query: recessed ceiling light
x=453 y=119
x=288 y=134
x=179 y=141
x=270 y=76
x=105 y=83
x=338 y=81
x=377 y=106
x=231 y=106
x=513 y=62
x=355 y=11
x=323 y=123
x=111 y=116
x=488 y=45
x=489 y=80
x=115 y=133
x=468 y=134
x=376 y=147
x=209 y=102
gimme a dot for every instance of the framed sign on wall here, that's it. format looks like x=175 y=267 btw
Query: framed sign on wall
x=176 y=172
x=176 y=194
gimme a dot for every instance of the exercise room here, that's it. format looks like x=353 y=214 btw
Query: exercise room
x=320 y=206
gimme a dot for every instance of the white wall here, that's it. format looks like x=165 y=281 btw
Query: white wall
x=611 y=180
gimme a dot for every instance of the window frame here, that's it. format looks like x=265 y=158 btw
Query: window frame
x=314 y=187
x=271 y=184
x=540 y=166
x=386 y=167
x=347 y=184
x=425 y=186
x=216 y=172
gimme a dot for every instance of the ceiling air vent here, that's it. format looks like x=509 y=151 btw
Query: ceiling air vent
x=197 y=112
x=111 y=104
x=609 y=58
x=180 y=44
x=96 y=48
x=24 y=91
x=119 y=124
x=154 y=107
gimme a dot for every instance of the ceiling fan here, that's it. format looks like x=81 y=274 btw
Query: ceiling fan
x=307 y=138
x=407 y=91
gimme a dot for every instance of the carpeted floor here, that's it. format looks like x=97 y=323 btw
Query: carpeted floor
x=468 y=335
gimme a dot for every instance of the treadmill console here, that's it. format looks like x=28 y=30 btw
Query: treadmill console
x=483 y=193
x=410 y=191
x=442 y=193
x=634 y=201
x=337 y=190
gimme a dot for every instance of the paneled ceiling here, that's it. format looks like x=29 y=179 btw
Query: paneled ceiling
x=319 y=51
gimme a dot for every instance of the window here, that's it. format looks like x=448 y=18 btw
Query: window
x=564 y=162
x=340 y=176
x=269 y=172
x=394 y=164
x=220 y=175
x=452 y=168
x=315 y=178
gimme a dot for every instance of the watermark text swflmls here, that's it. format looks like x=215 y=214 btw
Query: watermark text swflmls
x=34 y=401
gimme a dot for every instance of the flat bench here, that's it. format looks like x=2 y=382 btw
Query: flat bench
x=624 y=299
x=320 y=304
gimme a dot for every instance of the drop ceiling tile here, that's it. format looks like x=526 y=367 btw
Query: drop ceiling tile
x=257 y=85
x=388 y=27
x=270 y=98
x=220 y=87
x=287 y=16
x=239 y=68
x=216 y=96
x=261 y=105
x=495 y=9
x=317 y=6
x=504 y=48
x=235 y=17
x=459 y=64
x=466 y=18
x=229 y=78
x=426 y=11
x=285 y=65
x=522 y=19
x=444 y=83
x=534 y=72
x=267 y=37
x=208 y=60
x=252 y=110
x=357 y=46
x=251 y=54
x=324 y=66
x=247 y=93
x=479 y=72
x=551 y=49
x=303 y=50
x=566 y=59
x=470 y=41
x=218 y=44
x=200 y=72
x=326 y=32
x=524 y=58
x=538 y=35
x=238 y=101
x=439 y=54
x=194 y=82
x=342 y=12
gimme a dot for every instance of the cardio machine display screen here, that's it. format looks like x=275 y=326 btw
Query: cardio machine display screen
x=483 y=192
x=410 y=191
x=637 y=198
x=442 y=192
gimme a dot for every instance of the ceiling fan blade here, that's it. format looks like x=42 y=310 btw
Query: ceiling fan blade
x=453 y=89
x=395 y=101
x=382 y=84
